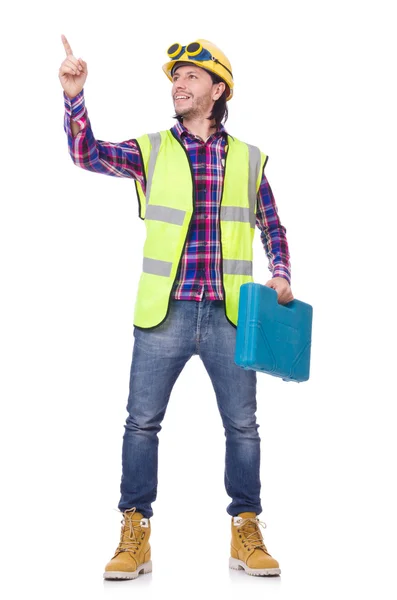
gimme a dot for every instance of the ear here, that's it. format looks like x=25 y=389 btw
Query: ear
x=219 y=91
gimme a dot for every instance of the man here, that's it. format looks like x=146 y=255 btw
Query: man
x=200 y=192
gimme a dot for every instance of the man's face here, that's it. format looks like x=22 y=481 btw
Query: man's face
x=196 y=84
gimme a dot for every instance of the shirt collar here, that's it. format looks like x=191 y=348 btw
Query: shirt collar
x=182 y=131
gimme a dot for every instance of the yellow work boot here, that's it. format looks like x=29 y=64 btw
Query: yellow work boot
x=132 y=555
x=247 y=548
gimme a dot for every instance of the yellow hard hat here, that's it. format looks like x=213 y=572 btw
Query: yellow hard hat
x=204 y=54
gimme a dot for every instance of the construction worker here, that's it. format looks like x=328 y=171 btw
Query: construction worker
x=200 y=193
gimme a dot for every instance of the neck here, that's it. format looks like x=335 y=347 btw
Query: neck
x=201 y=127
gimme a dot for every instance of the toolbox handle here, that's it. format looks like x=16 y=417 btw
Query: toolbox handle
x=290 y=305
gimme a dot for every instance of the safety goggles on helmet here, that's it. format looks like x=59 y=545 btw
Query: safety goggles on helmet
x=194 y=51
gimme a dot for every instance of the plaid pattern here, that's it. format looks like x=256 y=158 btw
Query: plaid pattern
x=199 y=271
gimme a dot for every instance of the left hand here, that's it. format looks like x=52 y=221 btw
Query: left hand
x=282 y=288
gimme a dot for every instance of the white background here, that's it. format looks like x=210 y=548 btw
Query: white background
x=315 y=89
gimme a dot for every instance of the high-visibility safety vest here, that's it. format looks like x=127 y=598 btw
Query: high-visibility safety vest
x=167 y=209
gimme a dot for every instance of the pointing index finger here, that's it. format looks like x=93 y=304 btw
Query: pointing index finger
x=66 y=45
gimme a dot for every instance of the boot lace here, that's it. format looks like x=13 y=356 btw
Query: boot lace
x=249 y=527
x=131 y=534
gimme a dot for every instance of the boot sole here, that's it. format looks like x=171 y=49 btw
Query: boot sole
x=235 y=563
x=142 y=569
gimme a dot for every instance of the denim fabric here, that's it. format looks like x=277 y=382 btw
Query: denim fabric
x=158 y=358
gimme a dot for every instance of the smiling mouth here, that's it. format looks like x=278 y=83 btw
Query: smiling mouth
x=182 y=99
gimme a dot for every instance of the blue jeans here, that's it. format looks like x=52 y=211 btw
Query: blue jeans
x=158 y=358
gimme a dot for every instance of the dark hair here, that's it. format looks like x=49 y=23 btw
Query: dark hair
x=219 y=110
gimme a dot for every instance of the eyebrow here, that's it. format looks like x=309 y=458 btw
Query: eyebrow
x=188 y=73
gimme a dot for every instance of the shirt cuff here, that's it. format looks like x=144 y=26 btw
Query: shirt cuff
x=75 y=107
x=281 y=271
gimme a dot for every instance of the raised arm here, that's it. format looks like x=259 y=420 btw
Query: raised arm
x=116 y=159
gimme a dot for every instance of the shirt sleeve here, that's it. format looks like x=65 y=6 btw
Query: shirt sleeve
x=273 y=233
x=117 y=159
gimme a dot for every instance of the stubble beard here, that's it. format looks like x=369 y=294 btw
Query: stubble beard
x=197 y=110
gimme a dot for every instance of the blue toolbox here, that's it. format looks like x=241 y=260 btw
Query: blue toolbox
x=271 y=337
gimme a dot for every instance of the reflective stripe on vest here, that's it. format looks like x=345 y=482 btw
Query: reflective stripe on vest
x=230 y=267
x=165 y=213
x=237 y=267
x=155 y=140
x=157 y=267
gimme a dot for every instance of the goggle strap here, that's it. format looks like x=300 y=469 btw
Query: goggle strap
x=224 y=66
